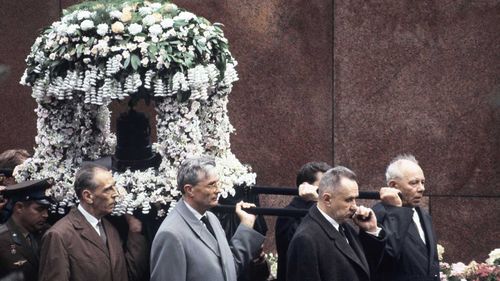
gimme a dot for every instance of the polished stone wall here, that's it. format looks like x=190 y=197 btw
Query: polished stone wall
x=352 y=83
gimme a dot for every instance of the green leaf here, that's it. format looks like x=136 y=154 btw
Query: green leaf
x=127 y=62
x=79 y=50
x=153 y=50
x=135 y=61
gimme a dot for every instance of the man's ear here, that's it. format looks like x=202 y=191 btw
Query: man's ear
x=188 y=190
x=393 y=183
x=327 y=198
x=18 y=207
x=87 y=197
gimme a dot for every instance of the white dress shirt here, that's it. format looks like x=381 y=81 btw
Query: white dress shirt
x=416 y=219
x=90 y=218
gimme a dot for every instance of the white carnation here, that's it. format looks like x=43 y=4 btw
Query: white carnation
x=155 y=6
x=145 y=11
x=134 y=28
x=102 y=29
x=83 y=15
x=155 y=29
x=185 y=16
x=115 y=14
x=149 y=20
x=167 y=23
x=72 y=29
x=86 y=25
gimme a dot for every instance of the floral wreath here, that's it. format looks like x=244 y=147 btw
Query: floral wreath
x=99 y=52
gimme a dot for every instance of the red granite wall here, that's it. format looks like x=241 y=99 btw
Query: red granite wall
x=391 y=77
x=422 y=77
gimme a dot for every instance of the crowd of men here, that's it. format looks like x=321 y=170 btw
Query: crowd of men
x=336 y=240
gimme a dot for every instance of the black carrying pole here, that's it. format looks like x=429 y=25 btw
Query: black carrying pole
x=254 y=190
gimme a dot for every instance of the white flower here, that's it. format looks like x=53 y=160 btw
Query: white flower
x=155 y=6
x=86 y=25
x=139 y=38
x=115 y=14
x=61 y=29
x=184 y=16
x=134 y=28
x=72 y=29
x=493 y=256
x=102 y=29
x=155 y=29
x=83 y=15
x=167 y=23
x=440 y=251
x=145 y=61
x=131 y=46
x=143 y=11
x=149 y=20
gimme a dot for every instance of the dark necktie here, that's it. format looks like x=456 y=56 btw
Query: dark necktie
x=32 y=242
x=102 y=232
x=204 y=219
x=342 y=232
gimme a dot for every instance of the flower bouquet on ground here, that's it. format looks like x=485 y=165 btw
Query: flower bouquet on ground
x=487 y=271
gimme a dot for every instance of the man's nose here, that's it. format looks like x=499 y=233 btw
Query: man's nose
x=115 y=193
x=421 y=187
x=45 y=214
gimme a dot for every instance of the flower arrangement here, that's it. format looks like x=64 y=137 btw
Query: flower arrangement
x=108 y=50
x=272 y=260
x=488 y=271
x=112 y=50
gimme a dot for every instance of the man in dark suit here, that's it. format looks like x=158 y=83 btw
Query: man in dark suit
x=20 y=235
x=411 y=251
x=191 y=244
x=325 y=247
x=308 y=176
x=84 y=246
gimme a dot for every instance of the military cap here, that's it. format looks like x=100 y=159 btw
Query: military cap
x=33 y=190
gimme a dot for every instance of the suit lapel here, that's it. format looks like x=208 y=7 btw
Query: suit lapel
x=198 y=228
x=356 y=247
x=87 y=231
x=338 y=239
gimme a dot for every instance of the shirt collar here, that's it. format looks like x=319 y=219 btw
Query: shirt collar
x=90 y=218
x=329 y=219
x=195 y=213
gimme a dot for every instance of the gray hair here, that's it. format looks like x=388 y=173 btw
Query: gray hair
x=394 y=169
x=331 y=179
x=193 y=170
x=84 y=178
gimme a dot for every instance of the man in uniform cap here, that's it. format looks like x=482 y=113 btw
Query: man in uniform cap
x=20 y=235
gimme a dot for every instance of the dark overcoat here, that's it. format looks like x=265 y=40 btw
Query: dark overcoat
x=72 y=250
x=284 y=231
x=406 y=257
x=318 y=252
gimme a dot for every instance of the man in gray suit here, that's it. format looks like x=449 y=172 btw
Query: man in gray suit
x=190 y=244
